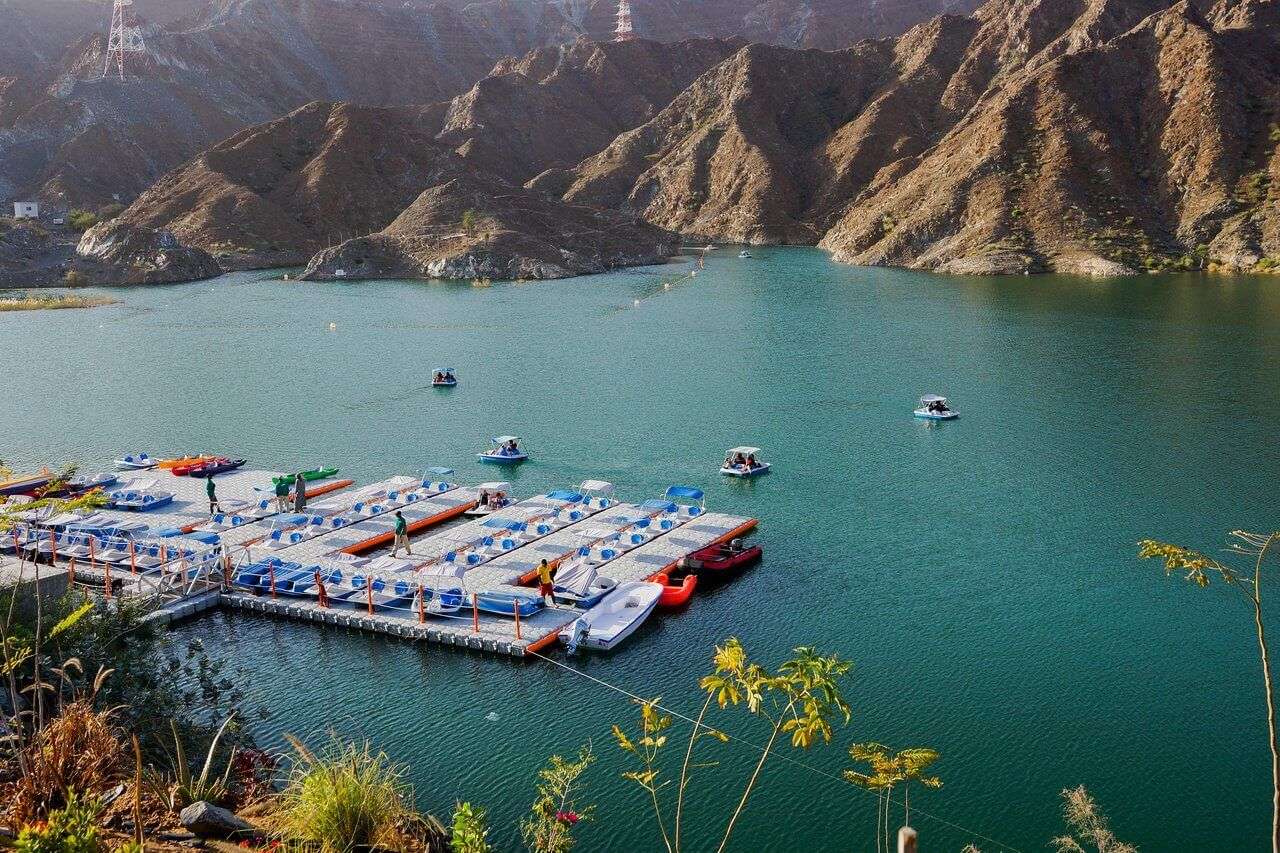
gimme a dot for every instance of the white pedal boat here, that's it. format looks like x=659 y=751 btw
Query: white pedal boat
x=743 y=462
x=606 y=625
x=935 y=408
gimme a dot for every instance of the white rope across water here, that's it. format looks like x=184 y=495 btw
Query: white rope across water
x=781 y=755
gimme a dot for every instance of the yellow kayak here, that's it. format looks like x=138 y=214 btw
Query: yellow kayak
x=185 y=460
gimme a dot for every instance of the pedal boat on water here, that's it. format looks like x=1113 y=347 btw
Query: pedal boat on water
x=506 y=451
x=444 y=377
x=744 y=462
x=934 y=408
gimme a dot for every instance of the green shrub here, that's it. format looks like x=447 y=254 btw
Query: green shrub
x=70 y=829
x=81 y=220
x=344 y=798
x=470 y=832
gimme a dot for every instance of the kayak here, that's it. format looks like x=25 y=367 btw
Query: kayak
x=721 y=559
x=313 y=474
x=676 y=595
x=185 y=460
x=186 y=469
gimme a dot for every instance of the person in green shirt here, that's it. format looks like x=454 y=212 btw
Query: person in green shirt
x=282 y=494
x=214 y=506
x=402 y=535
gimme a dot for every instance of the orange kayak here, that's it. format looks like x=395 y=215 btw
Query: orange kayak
x=673 y=595
x=185 y=460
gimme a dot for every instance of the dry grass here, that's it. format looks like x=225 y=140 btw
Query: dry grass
x=42 y=302
x=81 y=750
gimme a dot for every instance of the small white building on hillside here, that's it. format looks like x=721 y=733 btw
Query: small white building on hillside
x=26 y=210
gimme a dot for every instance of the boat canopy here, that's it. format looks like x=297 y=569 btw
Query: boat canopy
x=444 y=370
x=745 y=451
x=564 y=495
x=494 y=487
x=600 y=487
x=503 y=439
x=932 y=398
x=660 y=504
x=685 y=492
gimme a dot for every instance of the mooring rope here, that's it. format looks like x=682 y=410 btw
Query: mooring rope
x=782 y=755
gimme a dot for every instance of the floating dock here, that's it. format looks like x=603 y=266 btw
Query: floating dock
x=494 y=555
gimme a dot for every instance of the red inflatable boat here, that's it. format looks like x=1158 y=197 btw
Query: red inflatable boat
x=721 y=559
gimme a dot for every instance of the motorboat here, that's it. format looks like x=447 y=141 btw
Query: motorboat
x=493 y=497
x=676 y=593
x=578 y=583
x=744 y=462
x=744 y=254
x=26 y=483
x=136 y=462
x=444 y=377
x=614 y=619
x=139 y=496
x=935 y=408
x=721 y=559
x=506 y=451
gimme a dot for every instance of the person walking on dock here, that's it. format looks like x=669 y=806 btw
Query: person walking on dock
x=299 y=493
x=282 y=494
x=402 y=536
x=214 y=506
x=544 y=581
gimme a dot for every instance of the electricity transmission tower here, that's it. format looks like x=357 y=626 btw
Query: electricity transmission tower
x=126 y=37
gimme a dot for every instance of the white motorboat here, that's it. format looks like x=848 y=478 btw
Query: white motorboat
x=744 y=462
x=493 y=496
x=935 y=408
x=744 y=254
x=614 y=619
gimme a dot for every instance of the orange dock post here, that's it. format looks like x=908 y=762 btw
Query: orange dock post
x=133 y=558
x=92 y=540
x=271 y=574
x=475 y=613
x=368 y=593
x=422 y=607
x=71 y=572
x=108 y=585
x=53 y=548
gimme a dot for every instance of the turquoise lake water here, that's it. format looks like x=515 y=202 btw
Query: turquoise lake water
x=981 y=573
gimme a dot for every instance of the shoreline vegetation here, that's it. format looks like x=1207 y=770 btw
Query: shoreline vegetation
x=53 y=302
x=105 y=746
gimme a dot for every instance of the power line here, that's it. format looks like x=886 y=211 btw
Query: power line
x=782 y=755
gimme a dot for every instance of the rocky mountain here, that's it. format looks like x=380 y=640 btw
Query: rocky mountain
x=213 y=67
x=1092 y=136
x=371 y=193
x=1075 y=135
